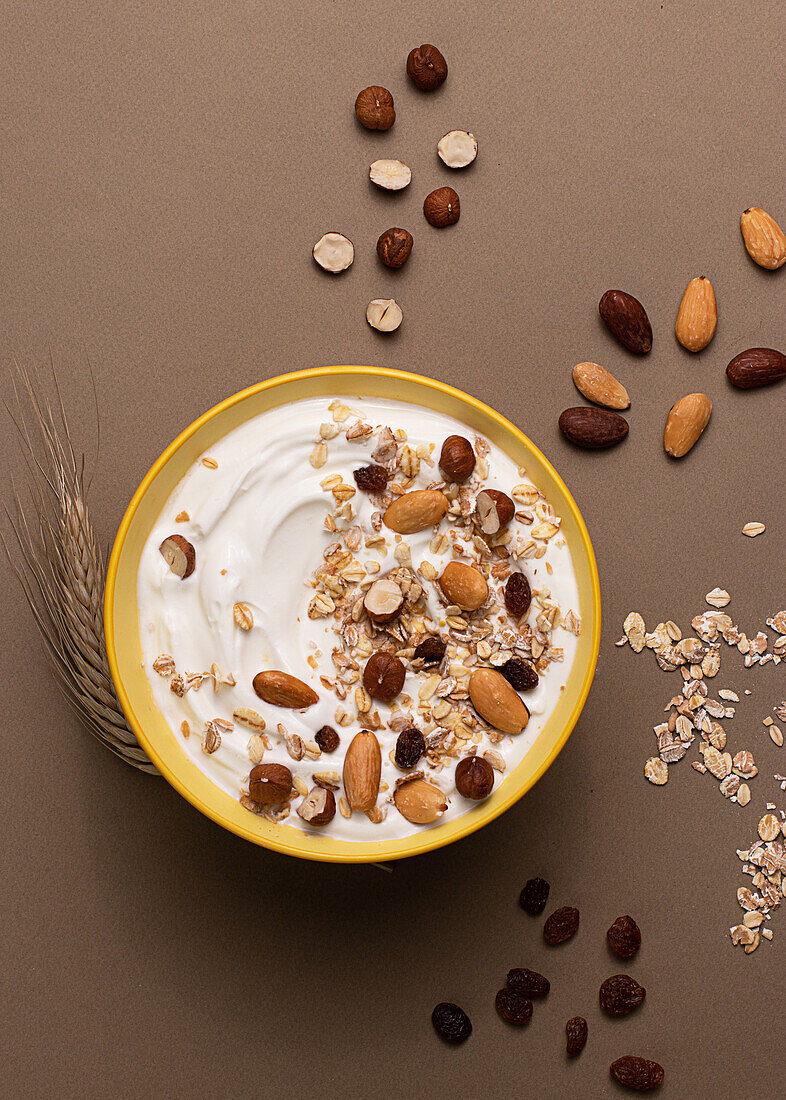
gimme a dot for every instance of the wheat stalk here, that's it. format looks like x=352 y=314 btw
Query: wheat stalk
x=60 y=567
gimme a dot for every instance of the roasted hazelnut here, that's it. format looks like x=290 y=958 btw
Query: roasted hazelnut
x=374 y=108
x=383 y=676
x=494 y=510
x=394 y=247
x=269 y=784
x=457 y=458
x=318 y=807
x=518 y=595
x=426 y=67
x=327 y=739
x=442 y=207
x=474 y=777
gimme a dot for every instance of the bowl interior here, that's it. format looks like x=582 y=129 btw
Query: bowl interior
x=122 y=622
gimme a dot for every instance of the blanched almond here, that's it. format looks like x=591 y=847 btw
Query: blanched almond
x=764 y=238
x=283 y=690
x=362 y=770
x=416 y=511
x=496 y=702
x=697 y=317
x=686 y=421
x=599 y=385
x=464 y=586
x=420 y=802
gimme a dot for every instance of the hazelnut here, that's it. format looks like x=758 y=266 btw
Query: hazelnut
x=457 y=148
x=384 y=600
x=426 y=67
x=391 y=175
x=318 y=807
x=179 y=555
x=394 y=247
x=384 y=314
x=442 y=207
x=334 y=252
x=457 y=458
x=494 y=510
x=518 y=595
x=474 y=777
x=269 y=784
x=383 y=676
x=374 y=108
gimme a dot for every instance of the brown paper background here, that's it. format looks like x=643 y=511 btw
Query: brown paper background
x=166 y=170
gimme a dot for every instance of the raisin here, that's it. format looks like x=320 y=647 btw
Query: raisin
x=520 y=674
x=410 y=746
x=534 y=896
x=371 y=479
x=513 y=1008
x=430 y=651
x=621 y=994
x=561 y=925
x=451 y=1023
x=327 y=739
x=637 y=1073
x=528 y=982
x=624 y=937
x=517 y=595
x=575 y=1035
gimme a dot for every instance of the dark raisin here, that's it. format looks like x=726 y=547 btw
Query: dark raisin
x=534 y=896
x=451 y=1023
x=575 y=1035
x=410 y=746
x=430 y=651
x=327 y=739
x=620 y=994
x=561 y=925
x=517 y=595
x=371 y=479
x=624 y=937
x=520 y=674
x=637 y=1073
x=528 y=983
x=513 y=1008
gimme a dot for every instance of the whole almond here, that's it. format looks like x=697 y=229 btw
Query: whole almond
x=420 y=802
x=283 y=690
x=697 y=316
x=627 y=318
x=464 y=585
x=756 y=367
x=362 y=770
x=496 y=702
x=686 y=421
x=592 y=428
x=416 y=511
x=764 y=238
x=599 y=385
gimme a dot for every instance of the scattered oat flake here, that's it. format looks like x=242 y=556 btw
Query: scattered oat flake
x=657 y=771
x=753 y=529
x=719 y=597
x=210 y=463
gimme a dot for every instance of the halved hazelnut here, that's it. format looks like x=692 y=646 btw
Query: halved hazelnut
x=457 y=148
x=494 y=510
x=179 y=555
x=334 y=252
x=384 y=314
x=384 y=600
x=318 y=807
x=392 y=175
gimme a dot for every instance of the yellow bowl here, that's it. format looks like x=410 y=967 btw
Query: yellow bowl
x=122 y=621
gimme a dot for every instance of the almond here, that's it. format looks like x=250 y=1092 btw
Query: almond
x=283 y=690
x=420 y=802
x=464 y=585
x=626 y=317
x=592 y=428
x=756 y=367
x=599 y=385
x=686 y=421
x=764 y=238
x=697 y=316
x=416 y=511
x=179 y=555
x=362 y=770
x=496 y=702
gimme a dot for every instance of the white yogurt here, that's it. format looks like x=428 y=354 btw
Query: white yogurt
x=257 y=523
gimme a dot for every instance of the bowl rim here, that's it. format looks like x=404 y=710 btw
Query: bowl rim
x=419 y=843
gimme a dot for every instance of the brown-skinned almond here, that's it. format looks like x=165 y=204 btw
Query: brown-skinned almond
x=362 y=770
x=687 y=419
x=627 y=319
x=496 y=702
x=599 y=385
x=415 y=511
x=756 y=367
x=697 y=317
x=464 y=585
x=283 y=690
x=592 y=428
x=764 y=238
